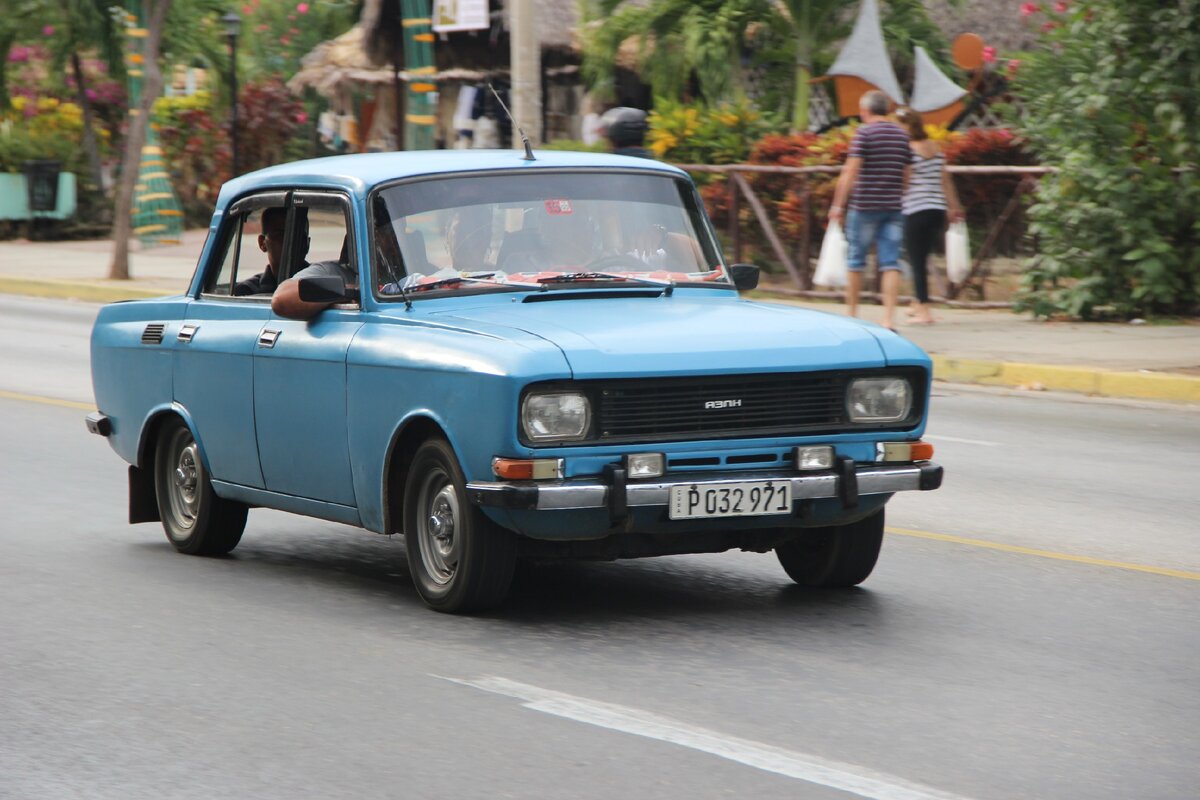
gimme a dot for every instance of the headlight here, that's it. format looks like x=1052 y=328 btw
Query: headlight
x=555 y=416
x=878 y=399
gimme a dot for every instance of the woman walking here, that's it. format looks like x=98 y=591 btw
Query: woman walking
x=929 y=199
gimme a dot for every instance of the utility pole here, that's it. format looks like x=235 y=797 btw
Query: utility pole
x=525 y=56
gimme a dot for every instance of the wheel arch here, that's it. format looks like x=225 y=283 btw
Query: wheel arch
x=405 y=441
x=151 y=428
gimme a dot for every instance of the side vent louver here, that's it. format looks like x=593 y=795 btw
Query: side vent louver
x=153 y=333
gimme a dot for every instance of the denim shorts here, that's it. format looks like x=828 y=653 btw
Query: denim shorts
x=883 y=228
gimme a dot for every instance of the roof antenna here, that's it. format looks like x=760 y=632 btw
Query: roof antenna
x=524 y=138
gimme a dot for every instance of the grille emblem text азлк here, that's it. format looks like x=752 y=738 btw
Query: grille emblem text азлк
x=723 y=404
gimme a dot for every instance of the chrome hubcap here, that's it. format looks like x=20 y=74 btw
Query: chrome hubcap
x=186 y=476
x=439 y=544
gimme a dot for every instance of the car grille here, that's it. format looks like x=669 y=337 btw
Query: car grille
x=721 y=407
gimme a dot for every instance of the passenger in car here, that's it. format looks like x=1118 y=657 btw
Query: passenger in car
x=270 y=241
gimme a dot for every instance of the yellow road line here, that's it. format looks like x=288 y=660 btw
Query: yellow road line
x=1030 y=551
x=939 y=537
x=46 y=401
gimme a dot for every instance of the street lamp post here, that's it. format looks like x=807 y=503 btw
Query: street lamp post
x=233 y=24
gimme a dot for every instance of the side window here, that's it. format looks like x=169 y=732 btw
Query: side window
x=222 y=282
x=327 y=236
x=252 y=243
x=322 y=236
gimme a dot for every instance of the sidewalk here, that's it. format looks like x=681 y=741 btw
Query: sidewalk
x=998 y=348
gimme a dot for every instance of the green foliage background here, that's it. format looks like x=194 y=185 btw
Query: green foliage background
x=1112 y=99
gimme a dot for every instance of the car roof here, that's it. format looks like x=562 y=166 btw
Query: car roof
x=359 y=173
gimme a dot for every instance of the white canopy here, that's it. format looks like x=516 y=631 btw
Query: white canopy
x=865 y=55
x=931 y=88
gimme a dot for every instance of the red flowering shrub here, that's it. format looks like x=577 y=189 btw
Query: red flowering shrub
x=268 y=116
x=784 y=195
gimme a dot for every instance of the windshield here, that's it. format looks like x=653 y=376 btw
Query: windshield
x=541 y=229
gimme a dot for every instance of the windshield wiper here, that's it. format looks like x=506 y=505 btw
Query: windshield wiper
x=573 y=277
x=481 y=277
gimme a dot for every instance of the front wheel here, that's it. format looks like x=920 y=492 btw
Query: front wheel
x=839 y=555
x=460 y=560
x=197 y=522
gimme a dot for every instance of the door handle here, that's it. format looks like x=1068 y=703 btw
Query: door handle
x=186 y=332
x=267 y=338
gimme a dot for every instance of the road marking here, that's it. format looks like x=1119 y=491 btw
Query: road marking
x=980 y=442
x=1030 y=551
x=802 y=766
x=46 y=401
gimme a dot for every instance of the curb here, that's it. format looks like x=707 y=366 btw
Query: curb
x=94 y=292
x=1084 y=380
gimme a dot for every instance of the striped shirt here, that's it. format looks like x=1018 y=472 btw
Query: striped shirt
x=883 y=147
x=925 y=184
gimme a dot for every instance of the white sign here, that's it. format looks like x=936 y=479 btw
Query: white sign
x=460 y=15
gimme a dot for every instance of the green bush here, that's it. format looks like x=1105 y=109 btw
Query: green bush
x=1112 y=99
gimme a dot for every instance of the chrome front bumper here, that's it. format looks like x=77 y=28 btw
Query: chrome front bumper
x=613 y=491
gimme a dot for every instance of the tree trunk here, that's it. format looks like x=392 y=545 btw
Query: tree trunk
x=135 y=140
x=89 y=133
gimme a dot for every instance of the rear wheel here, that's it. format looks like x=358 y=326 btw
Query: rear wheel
x=460 y=560
x=196 y=521
x=839 y=555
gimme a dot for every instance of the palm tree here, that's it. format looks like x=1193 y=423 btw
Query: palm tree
x=680 y=40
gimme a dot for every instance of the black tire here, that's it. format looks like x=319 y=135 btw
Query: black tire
x=459 y=559
x=196 y=521
x=840 y=555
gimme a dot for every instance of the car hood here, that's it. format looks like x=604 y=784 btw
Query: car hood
x=687 y=333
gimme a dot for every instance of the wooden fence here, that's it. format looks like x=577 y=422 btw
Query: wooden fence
x=799 y=264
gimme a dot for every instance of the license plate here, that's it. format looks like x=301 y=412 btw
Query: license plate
x=732 y=499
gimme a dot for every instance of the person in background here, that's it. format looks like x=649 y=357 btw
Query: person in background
x=872 y=186
x=625 y=128
x=929 y=199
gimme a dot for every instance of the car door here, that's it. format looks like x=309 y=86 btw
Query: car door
x=214 y=373
x=300 y=369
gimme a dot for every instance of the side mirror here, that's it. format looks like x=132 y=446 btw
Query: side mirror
x=745 y=276
x=326 y=289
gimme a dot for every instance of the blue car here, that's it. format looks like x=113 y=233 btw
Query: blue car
x=503 y=359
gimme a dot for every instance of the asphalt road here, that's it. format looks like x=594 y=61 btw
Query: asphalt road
x=1046 y=645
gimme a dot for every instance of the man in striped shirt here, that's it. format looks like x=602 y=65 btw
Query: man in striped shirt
x=873 y=180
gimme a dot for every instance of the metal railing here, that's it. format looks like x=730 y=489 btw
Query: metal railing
x=797 y=262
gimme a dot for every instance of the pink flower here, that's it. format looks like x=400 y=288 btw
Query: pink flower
x=302 y=117
x=302 y=8
x=989 y=54
x=1028 y=9
x=1004 y=133
x=262 y=28
x=48 y=30
x=1060 y=7
x=18 y=54
x=1049 y=26
x=247 y=10
x=1013 y=64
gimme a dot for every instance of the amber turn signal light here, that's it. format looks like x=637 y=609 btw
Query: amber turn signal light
x=527 y=469
x=905 y=452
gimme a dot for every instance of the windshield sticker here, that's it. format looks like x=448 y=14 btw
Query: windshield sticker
x=558 y=207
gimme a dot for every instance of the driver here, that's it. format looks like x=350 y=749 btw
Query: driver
x=563 y=236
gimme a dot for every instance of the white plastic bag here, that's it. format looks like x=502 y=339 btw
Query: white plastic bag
x=831 y=264
x=958 y=252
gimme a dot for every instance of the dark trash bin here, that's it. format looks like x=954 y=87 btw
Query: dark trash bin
x=41 y=181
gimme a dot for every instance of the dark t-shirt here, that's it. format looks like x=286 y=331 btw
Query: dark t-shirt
x=261 y=283
x=883 y=147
